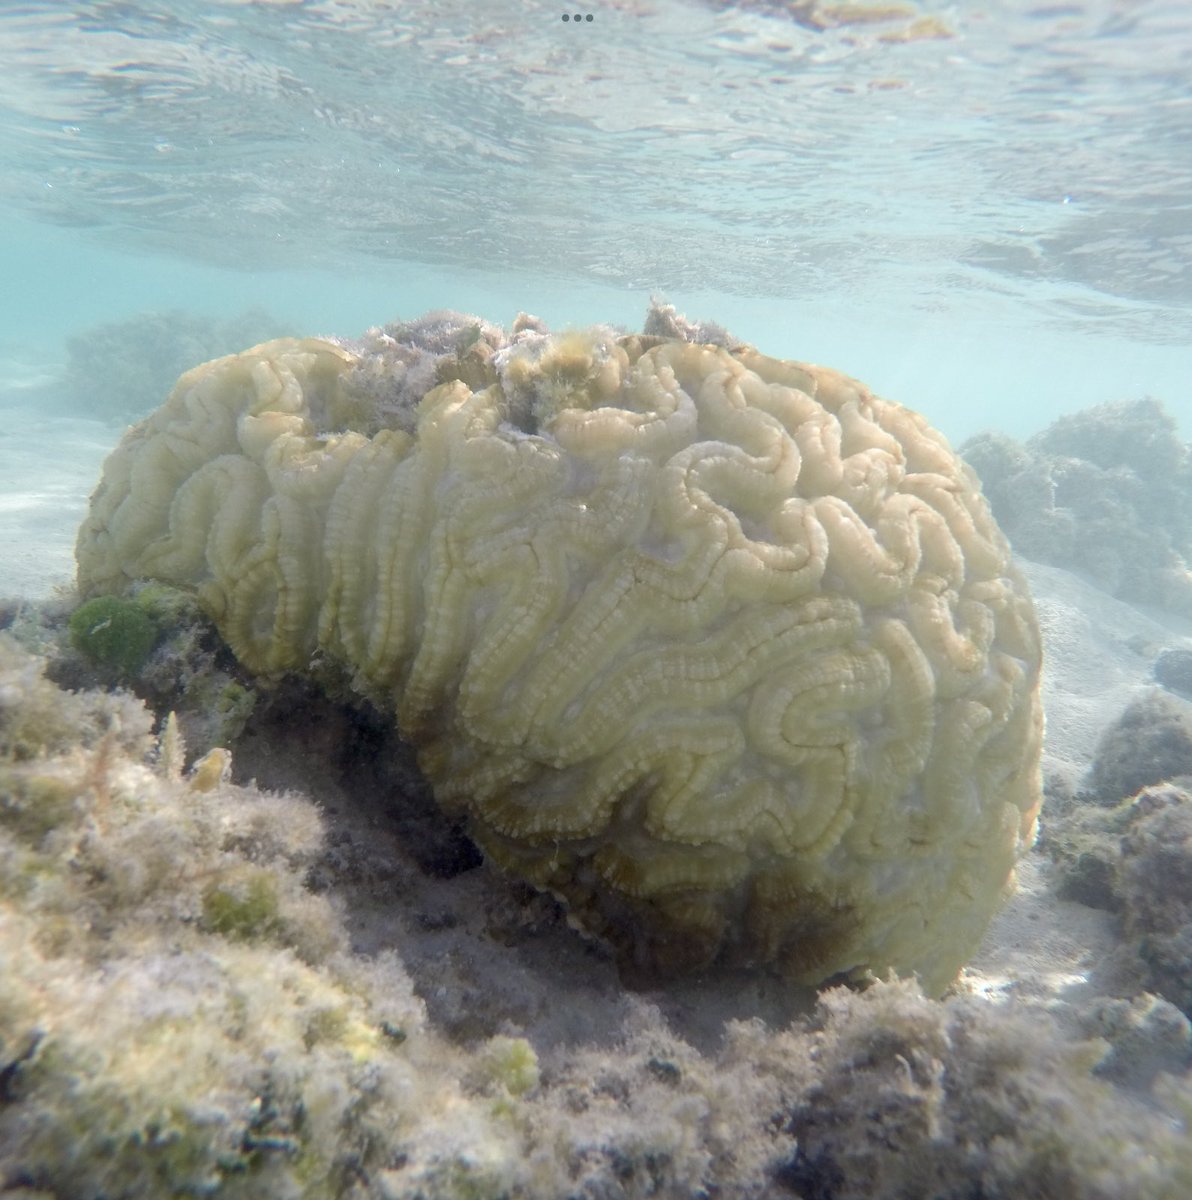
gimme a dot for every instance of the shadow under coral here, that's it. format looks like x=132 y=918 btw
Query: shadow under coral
x=486 y=952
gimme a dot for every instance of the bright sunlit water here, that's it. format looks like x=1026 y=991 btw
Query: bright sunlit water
x=982 y=210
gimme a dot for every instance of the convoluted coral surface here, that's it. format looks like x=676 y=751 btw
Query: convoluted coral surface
x=723 y=650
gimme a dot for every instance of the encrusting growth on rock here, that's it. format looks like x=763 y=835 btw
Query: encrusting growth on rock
x=723 y=650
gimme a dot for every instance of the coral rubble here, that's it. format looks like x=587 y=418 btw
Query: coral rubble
x=724 y=651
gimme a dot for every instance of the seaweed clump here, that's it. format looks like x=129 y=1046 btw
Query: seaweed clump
x=179 y=1014
x=156 y=642
x=956 y=1100
x=1150 y=742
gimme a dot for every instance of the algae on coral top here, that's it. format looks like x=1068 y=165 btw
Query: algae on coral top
x=723 y=650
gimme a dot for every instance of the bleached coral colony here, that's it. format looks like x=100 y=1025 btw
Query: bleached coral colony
x=723 y=650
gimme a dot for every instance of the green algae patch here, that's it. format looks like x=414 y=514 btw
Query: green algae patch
x=243 y=911
x=114 y=633
x=512 y=1063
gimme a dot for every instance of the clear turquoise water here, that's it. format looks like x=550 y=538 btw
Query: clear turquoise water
x=993 y=227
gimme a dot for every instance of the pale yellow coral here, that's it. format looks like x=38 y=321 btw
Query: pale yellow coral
x=723 y=650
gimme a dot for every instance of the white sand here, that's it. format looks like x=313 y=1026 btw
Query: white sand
x=49 y=466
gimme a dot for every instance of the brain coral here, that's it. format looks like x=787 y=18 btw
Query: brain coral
x=724 y=651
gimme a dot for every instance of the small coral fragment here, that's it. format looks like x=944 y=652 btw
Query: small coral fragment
x=724 y=651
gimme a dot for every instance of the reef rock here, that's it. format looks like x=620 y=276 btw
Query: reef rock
x=725 y=651
x=1150 y=742
x=1156 y=882
x=1104 y=492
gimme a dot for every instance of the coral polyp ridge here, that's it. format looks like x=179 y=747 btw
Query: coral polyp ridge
x=723 y=650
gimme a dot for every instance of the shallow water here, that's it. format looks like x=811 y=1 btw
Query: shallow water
x=991 y=226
